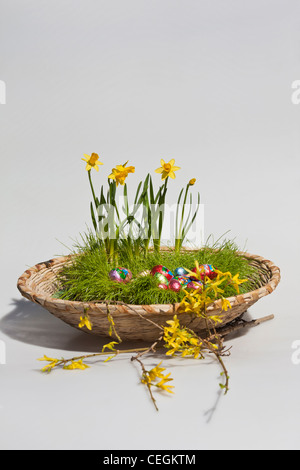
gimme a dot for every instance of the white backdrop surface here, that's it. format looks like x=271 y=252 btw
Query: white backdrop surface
x=208 y=83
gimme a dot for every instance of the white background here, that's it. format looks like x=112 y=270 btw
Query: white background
x=208 y=83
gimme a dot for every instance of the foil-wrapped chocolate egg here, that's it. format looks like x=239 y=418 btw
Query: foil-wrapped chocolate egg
x=162 y=286
x=180 y=272
x=161 y=279
x=207 y=270
x=175 y=285
x=182 y=279
x=160 y=269
x=120 y=275
x=195 y=285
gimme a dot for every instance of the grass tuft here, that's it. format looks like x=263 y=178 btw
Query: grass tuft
x=86 y=278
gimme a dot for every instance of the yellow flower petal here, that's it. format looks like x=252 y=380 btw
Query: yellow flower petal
x=120 y=173
x=92 y=161
x=167 y=169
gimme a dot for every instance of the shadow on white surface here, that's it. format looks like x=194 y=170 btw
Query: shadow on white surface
x=30 y=323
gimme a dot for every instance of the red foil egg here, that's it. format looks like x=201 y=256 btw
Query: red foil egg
x=207 y=270
x=175 y=285
x=160 y=269
x=162 y=286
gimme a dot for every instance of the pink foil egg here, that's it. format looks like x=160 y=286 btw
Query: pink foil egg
x=120 y=275
x=195 y=285
x=175 y=285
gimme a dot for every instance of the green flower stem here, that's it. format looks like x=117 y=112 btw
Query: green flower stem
x=161 y=203
x=92 y=188
x=178 y=240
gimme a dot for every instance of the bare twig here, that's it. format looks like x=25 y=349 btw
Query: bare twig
x=243 y=324
x=147 y=383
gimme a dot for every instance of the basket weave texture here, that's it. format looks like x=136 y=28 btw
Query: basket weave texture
x=134 y=322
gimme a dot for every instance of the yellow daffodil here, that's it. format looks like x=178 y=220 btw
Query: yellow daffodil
x=167 y=169
x=92 y=161
x=120 y=173
x=85 y=321
x=192 y=181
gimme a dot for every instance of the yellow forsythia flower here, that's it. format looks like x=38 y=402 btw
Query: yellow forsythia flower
x=162 y=384
x=236 y=281
x=225 y=304
x=76 y=365
x=85 y=321
x=150 y=376
x=51 y=365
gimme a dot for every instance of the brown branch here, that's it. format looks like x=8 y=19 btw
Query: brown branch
x=148 y=384
x=243 y=324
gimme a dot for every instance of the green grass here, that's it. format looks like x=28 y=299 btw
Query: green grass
x=86 y=279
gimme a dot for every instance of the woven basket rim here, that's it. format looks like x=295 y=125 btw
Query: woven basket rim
x=26 y=290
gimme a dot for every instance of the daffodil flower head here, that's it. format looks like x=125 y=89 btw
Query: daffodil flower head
x=192 y=181
x=92 y=161
x=167 y=169
x=120 y=173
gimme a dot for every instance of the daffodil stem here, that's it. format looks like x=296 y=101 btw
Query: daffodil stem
x=94 y=196
x=161 y=207
x=179 y=239
x=92 y=188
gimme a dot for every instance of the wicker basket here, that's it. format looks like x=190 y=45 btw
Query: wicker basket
x=134 y=322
